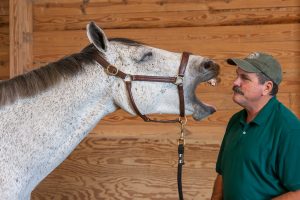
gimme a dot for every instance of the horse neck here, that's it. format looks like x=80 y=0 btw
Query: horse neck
x=82 y=100
x=52 y=124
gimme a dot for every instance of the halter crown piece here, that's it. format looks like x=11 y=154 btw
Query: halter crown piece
x=177 y=80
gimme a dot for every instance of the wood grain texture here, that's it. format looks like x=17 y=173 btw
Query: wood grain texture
x=4 y=7
x=4 y=39
x=20 y=14
x=123 y=157
x=152 y=14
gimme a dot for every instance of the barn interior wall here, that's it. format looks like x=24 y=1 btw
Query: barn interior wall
x=123 y=157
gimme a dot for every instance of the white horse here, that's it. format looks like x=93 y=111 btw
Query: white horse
x=45 y=113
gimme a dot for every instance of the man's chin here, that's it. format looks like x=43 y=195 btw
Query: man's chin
x=237 y=99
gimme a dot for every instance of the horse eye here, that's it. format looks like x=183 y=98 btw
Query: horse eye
x=146 y=57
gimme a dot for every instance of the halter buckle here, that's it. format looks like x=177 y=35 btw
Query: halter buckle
x=112 y=70
x=179 y=80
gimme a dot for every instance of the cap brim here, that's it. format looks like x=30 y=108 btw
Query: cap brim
x=243 y=64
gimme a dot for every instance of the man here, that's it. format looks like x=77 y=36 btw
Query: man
x=259 y=157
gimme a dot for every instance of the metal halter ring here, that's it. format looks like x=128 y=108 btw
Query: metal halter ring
x=182 y=122
x=179 y=80
x=112 y=70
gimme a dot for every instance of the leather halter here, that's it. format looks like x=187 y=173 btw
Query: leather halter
x=177 y=80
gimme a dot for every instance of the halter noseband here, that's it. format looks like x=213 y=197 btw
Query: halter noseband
x=128 y=78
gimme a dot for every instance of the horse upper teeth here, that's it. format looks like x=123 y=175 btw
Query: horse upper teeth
x=212 y=82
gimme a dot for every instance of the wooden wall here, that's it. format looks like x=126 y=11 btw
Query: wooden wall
x=123 y=157
x=4 y=39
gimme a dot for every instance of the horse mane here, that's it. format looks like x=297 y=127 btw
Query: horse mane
x=38 y=80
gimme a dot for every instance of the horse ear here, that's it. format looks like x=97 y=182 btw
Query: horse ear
x=97 y=37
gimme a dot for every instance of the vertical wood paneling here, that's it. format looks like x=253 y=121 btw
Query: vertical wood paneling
x=20 y=36
x=4 y=39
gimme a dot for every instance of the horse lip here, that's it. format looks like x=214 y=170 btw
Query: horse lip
x=210 y=75
x=212 y=107
x=202 y=111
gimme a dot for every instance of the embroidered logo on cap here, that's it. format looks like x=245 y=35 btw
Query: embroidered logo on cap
x=253 y=55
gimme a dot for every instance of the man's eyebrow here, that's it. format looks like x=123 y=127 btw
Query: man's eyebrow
x=242 y=75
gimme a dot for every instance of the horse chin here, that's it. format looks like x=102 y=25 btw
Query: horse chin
x=202 y=110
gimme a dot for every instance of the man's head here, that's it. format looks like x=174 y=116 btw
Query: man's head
x=259 y=62
x=258 y=76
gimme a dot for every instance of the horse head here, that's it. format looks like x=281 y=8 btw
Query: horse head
x=135 y=58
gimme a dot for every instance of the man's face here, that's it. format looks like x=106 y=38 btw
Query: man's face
x=247 y=89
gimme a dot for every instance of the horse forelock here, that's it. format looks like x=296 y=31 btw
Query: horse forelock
x=41 y=79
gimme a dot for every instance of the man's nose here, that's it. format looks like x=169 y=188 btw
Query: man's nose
x=236 y=82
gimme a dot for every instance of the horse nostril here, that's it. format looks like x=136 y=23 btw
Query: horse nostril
x=208 y=65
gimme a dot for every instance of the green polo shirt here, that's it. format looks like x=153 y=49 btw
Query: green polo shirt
x=261 y=159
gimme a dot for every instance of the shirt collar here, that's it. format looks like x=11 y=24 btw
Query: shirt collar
x=263 y=114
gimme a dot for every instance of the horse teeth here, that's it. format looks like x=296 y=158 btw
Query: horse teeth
x=212 y=82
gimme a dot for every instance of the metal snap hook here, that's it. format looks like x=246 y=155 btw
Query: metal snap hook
x=182 y=122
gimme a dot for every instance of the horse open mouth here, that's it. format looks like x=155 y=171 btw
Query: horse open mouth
x=201 y=109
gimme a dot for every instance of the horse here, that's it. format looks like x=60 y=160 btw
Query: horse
x=46 y=113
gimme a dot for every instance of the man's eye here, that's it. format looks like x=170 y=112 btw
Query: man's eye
x=146 y=57
x=244 y=77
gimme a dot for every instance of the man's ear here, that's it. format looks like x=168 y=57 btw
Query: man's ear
x=268 y=86
x=97 y=37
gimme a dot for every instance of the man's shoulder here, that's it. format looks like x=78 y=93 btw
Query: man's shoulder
x=287 y=118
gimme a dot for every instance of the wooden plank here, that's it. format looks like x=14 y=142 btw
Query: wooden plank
x=20 y=13
x=215 y=4
x=75 y=7
x=4 y=8
x=158 y=19
x=4 y=23
x=4 y=40
x=4 y=65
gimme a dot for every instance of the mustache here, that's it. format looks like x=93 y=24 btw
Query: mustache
x=238 y=90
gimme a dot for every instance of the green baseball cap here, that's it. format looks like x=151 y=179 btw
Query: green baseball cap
x=259 y=62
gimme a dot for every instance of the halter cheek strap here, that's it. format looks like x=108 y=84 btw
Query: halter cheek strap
x=177 y=80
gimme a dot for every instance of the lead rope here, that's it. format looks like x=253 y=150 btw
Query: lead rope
x=181 y=143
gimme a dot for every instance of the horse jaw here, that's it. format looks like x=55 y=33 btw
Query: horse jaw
x=199 y=74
